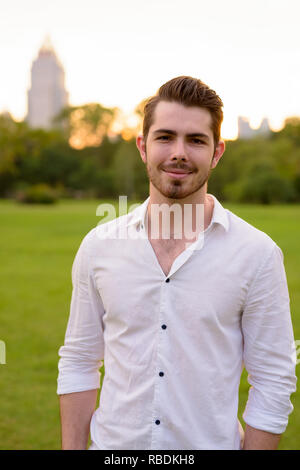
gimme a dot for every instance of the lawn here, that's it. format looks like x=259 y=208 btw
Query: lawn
x=38 y=245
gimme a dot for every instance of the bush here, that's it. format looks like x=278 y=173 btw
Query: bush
x=264 y=188
x=37 y=194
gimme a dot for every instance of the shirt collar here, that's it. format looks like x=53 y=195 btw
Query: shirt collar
x=219 y=215
x=139 y=214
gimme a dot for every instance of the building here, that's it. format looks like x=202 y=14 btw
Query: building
x=47 y=95
x=245 y=131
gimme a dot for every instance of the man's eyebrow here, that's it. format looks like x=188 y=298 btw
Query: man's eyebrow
x=169 y=131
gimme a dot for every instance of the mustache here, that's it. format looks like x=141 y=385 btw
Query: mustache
x=178 y=166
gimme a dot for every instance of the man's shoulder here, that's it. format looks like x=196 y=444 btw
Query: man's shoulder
x=111 y=230
x=248 y=235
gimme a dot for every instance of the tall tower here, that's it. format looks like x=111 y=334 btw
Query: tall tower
x=244 y=129
x=47 y=95
x=264 y=128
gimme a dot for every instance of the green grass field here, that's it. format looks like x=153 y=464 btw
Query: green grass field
x=38 y=245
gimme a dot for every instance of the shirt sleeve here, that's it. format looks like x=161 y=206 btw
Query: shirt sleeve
x=269 y=347
x=83 y=350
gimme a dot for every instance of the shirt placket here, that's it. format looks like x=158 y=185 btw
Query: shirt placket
x=158 y=421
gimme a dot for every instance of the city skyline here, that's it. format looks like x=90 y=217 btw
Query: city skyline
x=111 y=55
x=47 y=95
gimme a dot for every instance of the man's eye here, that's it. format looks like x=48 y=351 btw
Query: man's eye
x=163 y=137
x=198 y=141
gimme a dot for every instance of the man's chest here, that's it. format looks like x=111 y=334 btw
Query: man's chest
x=203 y=290
x=166 y=251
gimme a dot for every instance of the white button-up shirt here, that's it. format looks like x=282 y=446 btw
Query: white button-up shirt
x=174 y=346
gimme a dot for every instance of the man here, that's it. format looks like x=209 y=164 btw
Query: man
x=176 y=318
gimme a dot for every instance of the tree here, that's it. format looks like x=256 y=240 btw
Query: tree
x=130 y=177
x=86 y=125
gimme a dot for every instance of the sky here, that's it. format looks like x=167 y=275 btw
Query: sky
x=118 y=52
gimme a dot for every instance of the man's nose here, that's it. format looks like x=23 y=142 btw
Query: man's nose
x=179 y=152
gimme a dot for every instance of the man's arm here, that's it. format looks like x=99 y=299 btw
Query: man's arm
x=76 y=411
x=260 y=440
x=82 y=354
x=268 y=353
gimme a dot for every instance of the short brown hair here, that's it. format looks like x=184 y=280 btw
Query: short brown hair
x=189 y=92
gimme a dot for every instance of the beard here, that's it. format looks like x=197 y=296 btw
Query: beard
x=177 y=189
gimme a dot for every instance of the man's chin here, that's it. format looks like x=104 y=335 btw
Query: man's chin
x=177 y=190
x=176 y=193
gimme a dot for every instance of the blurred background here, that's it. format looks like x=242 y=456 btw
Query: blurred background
x=73 y=81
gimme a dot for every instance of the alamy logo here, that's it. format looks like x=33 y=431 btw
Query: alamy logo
x=174 y=221
x=2 y=352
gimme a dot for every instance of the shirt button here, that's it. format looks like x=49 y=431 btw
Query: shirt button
x=161 y=374
x=164 y=327
x=157 y=421
x=168 y=280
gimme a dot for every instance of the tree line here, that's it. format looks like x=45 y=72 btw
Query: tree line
x=42 y=163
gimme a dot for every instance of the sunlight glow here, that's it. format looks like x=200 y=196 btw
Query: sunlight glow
x=117 y=54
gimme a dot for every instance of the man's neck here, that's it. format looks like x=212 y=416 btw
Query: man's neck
x=182 y=218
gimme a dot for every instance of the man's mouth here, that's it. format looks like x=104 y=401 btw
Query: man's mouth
x=177 y=172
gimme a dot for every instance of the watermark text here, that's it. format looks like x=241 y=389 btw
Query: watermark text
x=175 y=221
x=2 y=352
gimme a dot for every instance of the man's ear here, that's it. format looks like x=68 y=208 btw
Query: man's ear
x=141 y=145
x=220 y=149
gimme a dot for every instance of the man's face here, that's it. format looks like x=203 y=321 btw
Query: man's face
x=179 y=150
